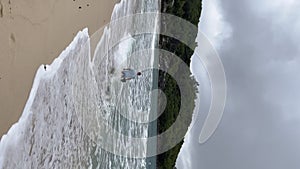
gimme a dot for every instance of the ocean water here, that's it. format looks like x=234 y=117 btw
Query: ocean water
x=78 y=101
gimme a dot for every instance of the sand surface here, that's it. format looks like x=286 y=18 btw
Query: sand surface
x=34 y=32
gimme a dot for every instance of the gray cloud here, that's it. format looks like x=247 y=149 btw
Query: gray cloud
x=261 y=123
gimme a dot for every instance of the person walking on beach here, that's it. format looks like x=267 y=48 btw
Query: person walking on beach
x=128 y=74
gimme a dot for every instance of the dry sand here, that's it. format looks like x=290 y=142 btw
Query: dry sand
x=34 y=32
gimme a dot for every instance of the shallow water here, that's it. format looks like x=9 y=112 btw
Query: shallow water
x=76 y=102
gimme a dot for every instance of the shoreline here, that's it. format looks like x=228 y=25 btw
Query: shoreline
x=36 y=33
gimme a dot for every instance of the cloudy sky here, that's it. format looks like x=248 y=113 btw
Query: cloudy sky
x=258 y=42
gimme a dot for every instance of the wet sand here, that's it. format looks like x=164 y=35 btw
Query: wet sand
x=35 y=32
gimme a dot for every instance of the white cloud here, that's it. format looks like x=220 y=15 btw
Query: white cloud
x=212 y=23
x=261 y=58
x=216 y=30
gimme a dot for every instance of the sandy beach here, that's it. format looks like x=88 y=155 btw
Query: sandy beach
x=33 y=33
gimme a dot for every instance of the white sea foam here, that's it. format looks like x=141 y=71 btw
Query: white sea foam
x=49 y=134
